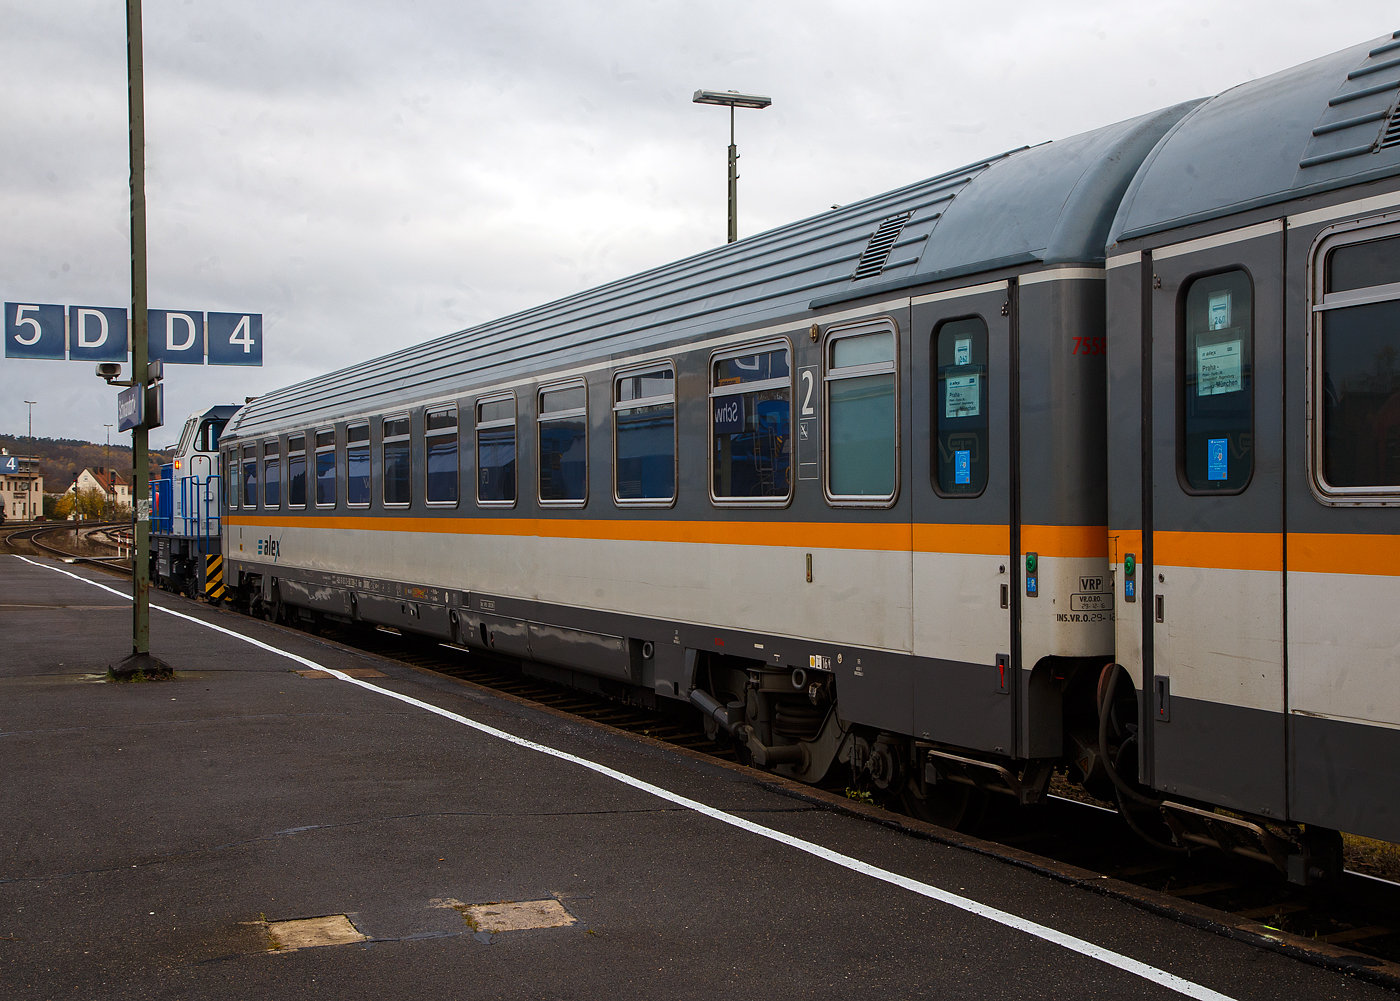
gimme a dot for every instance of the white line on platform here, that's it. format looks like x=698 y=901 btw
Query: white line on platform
x=1005 y=918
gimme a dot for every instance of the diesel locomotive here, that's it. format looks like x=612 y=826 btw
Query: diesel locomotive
x=1084 y=458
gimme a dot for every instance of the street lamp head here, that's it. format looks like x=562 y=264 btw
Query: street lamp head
x=731 y=99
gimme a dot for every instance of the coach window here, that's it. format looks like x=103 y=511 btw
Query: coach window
x=395 y=451
x=563 y=438
x=495 y=452
x=231 y=477
x=325 y=468
x=250 y=476
x=1216 y=431
x=960 y=404
x=357 y=473
x=1356 y=360
x=750 y=422
x=296 y=470
x=440 y=445
x=860 y=408
x=272 y=474
x=644 y=422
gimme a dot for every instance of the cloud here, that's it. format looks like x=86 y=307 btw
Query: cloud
x=369 y=175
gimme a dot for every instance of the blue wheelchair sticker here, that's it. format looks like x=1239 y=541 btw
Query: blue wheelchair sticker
x=962 y=466
x=1217 y=459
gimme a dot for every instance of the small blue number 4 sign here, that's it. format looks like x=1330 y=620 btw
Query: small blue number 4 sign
x=235 y=338
x=1217 y=459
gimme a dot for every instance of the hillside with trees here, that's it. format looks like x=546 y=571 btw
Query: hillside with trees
x=63 y=459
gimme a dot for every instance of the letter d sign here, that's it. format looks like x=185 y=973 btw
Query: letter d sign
x=176 y=336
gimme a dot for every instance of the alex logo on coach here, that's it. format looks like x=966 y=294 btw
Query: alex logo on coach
x=269 y=547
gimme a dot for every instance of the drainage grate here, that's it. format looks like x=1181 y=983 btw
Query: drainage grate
x=877 y=251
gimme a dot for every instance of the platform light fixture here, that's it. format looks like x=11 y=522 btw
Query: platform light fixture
x=732 y=99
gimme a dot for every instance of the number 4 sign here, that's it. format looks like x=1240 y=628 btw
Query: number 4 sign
x=235 y=338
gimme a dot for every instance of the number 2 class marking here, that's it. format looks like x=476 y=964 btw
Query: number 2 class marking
x=809 y=382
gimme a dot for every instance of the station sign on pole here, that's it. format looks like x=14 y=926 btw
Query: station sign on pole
x=102 y=333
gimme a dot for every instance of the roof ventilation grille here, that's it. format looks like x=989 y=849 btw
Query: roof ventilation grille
x=877 y=251
x=1391 y=136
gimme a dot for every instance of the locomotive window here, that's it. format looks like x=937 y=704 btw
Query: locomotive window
x=440 y=444
x=395 y=453
x=750 y=421
x=860 y=409
x=296 y=470
x=325 y=468
x=272 y=475
x=357 y=473
x=1216 y=434
x=185 y=436
x=209 y=432
x=1357 y=364
x=644 y=428
x=250 y=476
x=961 y=396
x=495 y=452
x=563 y=424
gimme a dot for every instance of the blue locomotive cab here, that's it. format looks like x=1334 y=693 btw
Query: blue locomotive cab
x=186 y=554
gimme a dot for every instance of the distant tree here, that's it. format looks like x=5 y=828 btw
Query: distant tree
x=61 y=508
x=90 y=502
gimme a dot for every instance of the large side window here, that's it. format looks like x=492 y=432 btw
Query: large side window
x=495 y=451
x=325 y=468
x=750 y=425
x=563 y=421
x=272 y=474
x=644 y=422
x=861 y=414
x=1356 y=360
x=1216 y=433
x=440 y=446
x=961 y=396
x=231 y=477
x=357 y=474
x=296 y=470
x=396 y=451
x=250 y=475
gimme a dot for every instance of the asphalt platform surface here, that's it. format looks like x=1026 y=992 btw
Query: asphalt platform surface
x=150 y=832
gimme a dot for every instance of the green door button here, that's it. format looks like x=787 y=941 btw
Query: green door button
x=1030 y=563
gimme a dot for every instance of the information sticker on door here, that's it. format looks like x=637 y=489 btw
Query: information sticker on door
x=1218 y=459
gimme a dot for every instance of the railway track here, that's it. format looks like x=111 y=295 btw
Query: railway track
x=28 y=537
x=1362 y=916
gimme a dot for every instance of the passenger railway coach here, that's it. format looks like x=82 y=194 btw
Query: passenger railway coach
x=901 y=485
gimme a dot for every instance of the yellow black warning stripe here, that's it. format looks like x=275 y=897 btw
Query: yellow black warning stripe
x=213 y=577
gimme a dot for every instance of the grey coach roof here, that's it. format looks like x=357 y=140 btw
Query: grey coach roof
x=1050 y=203
x=1322 y=125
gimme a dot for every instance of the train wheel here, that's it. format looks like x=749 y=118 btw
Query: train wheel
x=954 y=805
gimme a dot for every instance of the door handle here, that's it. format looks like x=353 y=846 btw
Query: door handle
x=1006 y=596
x=1161 y=607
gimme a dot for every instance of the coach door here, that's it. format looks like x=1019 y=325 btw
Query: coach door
x=965 y=586
x=1215 y=605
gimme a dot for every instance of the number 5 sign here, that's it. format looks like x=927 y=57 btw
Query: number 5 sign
x=235 y=338
x=34 y=331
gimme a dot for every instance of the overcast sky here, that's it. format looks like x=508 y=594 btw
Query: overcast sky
x=370 y=175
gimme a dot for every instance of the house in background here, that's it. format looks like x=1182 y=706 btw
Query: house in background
x=21 y=487
x=115 y=491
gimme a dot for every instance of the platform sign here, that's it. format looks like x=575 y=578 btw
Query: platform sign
x=9 y=464
x=176 y=336
x=97 y=333
x=131 y=408
x=34 y=331
x=235 y=338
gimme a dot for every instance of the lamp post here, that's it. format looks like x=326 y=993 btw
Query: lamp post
x=732 y=99
x=107 y=464
x=31 y=416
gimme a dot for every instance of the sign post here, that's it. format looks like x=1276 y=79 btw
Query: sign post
x=140 y=661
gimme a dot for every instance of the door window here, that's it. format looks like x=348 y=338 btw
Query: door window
x=1216 y=431
x=960 y=405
